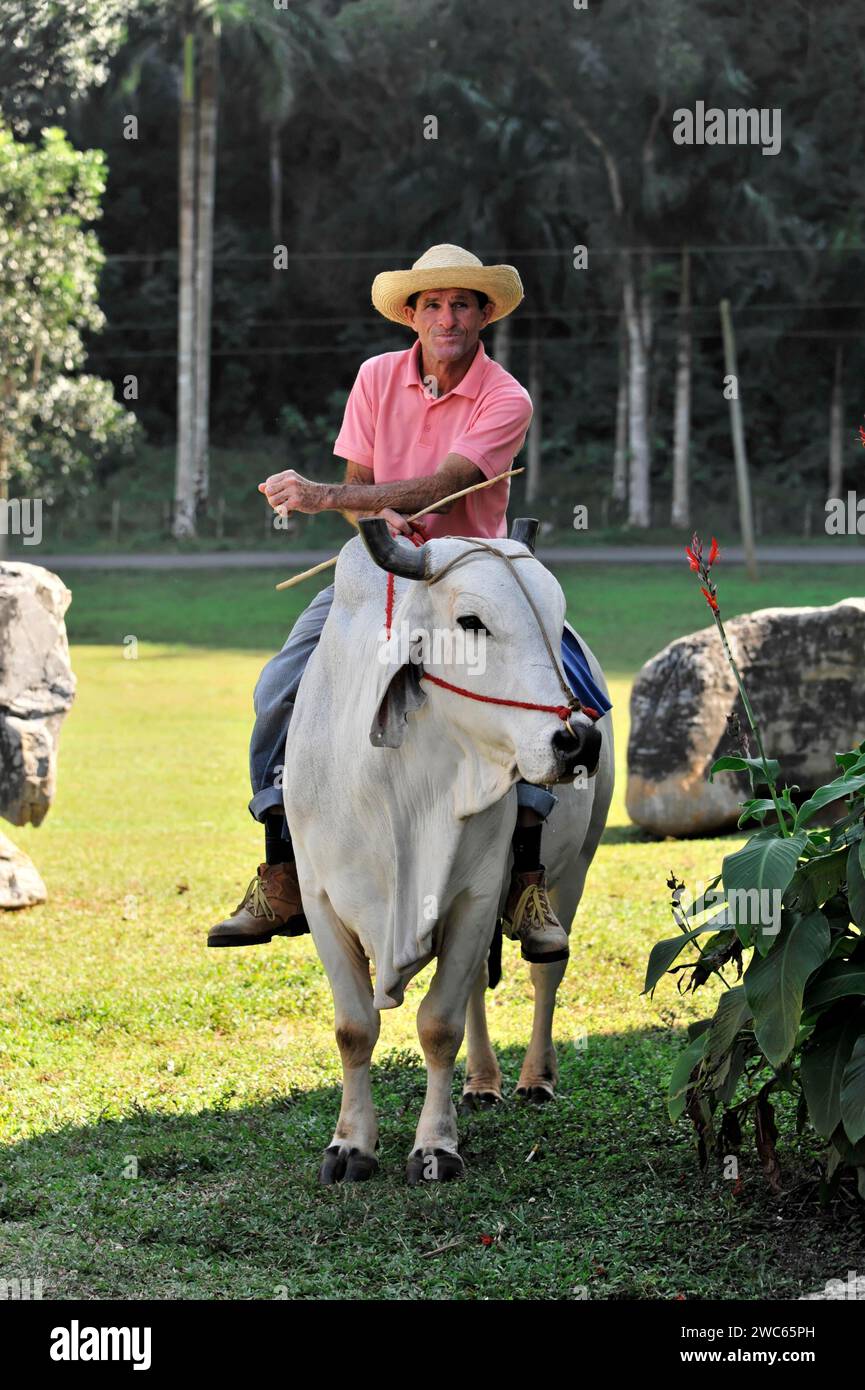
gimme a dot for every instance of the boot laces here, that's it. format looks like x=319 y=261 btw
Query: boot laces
x=533 y=909
x=255 y=899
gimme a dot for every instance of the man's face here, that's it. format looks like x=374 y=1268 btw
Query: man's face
x=448 y=322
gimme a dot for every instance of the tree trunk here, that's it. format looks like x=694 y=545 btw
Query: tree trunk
x=208 y=95
x=680 y=514
x=533 y=458
x=184 y=486
x=502 y=343
x=636 y=322
x=275 y=175
x=652 y=377
x=620 y=454
x=743 y=483
x=836 y=427
x=276 y=364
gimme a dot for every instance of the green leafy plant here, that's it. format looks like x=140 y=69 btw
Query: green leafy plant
x=786 y=914
x=57 y=423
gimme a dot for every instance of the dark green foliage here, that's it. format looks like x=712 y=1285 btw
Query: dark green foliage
x=797 y=1021
x=514 y=172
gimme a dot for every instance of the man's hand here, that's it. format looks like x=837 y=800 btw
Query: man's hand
x=289 y=492
x=397 y=525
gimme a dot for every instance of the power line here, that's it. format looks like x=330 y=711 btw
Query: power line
x=331 y=350
x=516 y=252
x=670 y=311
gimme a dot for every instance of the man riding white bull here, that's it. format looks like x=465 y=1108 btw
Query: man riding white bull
x=419 y=425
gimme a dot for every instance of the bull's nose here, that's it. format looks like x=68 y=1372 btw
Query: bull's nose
x=579 y=746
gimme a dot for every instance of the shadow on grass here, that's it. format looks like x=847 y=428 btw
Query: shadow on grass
x=634 y=835
x=594 y=1195
x=628 y=835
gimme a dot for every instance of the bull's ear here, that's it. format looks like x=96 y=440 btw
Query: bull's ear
x=403 y=694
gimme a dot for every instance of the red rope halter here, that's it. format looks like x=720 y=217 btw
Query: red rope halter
x=564 y=712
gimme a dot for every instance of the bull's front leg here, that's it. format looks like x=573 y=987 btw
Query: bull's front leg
x=441 y=1024
x=350 y=1156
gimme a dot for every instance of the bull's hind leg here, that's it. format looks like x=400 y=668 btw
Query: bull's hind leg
x=540 y=1069
x=350 y=1156
x=441 y=1023
x=483 y=1084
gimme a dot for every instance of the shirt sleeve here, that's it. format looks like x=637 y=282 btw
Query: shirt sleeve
x=495 y=433
x=356 y=438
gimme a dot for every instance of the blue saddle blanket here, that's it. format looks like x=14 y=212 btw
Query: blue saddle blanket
x=579 y=677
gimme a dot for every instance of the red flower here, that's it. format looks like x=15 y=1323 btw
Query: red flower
x=486 y=1240
x=862 y=435
x=713 y=553
x=710 y=599
x=692 y=559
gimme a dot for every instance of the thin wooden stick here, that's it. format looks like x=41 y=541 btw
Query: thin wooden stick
x=454 y=496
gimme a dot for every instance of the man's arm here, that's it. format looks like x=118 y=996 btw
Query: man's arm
x=289 y=492
x=356 y=475
x=359 y=476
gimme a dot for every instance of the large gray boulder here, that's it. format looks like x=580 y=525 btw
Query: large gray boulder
x=37 y=688
x=20 y=882
x=804 y=670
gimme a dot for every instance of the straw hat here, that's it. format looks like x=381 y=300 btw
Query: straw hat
x=442 y=268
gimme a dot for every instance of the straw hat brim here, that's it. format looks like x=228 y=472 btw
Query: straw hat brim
x=500 y=283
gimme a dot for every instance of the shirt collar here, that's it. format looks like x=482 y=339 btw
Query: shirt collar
x=470 y=384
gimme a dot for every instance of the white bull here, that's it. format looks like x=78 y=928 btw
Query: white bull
x=403 y=843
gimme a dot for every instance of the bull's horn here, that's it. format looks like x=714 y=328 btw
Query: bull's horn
x=525 y=530
x=397 y=557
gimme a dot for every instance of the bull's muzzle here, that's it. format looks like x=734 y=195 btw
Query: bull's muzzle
x=578 y=745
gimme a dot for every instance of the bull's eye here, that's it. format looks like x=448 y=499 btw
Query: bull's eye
x=472 y=623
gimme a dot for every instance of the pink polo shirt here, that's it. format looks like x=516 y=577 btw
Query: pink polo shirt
x=393 y=426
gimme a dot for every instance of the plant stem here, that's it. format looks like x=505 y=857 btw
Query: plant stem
x=752 y=721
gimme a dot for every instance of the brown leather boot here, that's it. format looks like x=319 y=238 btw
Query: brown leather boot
x=529 y=918
x=270 y=907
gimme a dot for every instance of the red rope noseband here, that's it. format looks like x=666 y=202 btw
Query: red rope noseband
x=563 y=711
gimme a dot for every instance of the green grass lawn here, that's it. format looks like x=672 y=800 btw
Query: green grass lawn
x=626 y=614
x=163 y=1108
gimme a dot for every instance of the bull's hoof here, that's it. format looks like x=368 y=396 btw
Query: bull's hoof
x=535 y=1095
x=341 y=1165
x=478 y=1100
x=433 y=1165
